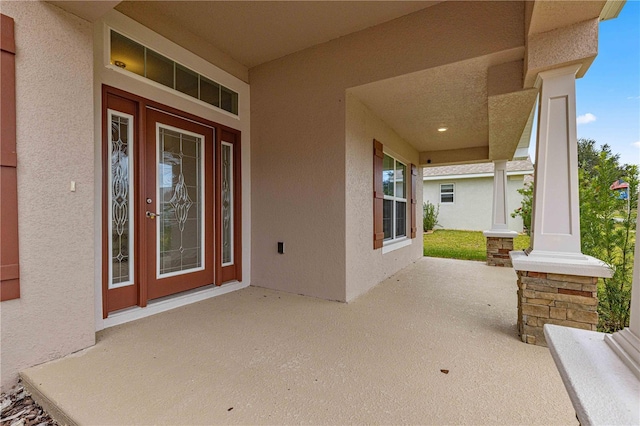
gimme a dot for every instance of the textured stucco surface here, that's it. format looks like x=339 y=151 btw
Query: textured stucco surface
x=54 y=76
x=258 y=356
x=452 y=95
x=575 y=44
x=366 y=266
x=550 y=15
x=472 y=208
x=299 y=177
x=257 y=32
x=508 y=117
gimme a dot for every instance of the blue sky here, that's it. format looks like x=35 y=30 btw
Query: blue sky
x=608 y=96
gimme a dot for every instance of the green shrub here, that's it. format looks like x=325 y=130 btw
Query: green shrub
x=526 y=209
x=429 y=216
x=607 y=225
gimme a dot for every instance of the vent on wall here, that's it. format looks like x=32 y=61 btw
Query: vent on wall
x=138 y=59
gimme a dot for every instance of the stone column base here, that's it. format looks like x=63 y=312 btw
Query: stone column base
x=545 y=298
x=498 y=249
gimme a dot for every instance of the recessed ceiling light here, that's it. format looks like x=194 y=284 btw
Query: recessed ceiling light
x=443 y=129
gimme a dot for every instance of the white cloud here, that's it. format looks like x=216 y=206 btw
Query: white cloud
x=633 y=97
x=636 y=144
x=586 y=118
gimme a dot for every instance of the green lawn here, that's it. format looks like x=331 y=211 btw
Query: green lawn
x=466 y=245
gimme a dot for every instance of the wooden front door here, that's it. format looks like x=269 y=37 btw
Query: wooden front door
x=178 y=217
x=171 y=202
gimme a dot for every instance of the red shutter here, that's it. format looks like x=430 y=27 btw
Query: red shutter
x=378 y=195
x=414 y=186
x=9 y=265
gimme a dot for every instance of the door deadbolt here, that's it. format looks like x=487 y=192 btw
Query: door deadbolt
x=149 y=201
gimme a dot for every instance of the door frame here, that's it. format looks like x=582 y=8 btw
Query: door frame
x=137 y=294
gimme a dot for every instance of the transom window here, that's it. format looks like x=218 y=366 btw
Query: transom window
x=447 y=193
x=394 y=211
x=138 y=59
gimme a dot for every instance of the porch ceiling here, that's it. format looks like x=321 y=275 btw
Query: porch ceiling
x=452 y=96
x=255 y=32
x=485 y=102
x=455 y=95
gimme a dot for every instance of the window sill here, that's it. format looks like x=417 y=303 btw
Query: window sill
x=395 y=245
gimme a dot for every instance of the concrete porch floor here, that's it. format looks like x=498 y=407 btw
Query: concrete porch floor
x=258 y=356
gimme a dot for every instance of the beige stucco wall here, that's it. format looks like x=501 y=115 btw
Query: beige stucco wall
x=299 y=179
x=473 y=198
x=365 y=266
x=54 y=77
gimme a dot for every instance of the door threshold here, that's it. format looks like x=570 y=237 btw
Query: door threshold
x=167 y=303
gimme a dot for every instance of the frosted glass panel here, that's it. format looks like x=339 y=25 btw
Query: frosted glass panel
x=209 y=91
x=127 y=54
x=229 y=100
x=180 y=188
x=227 y=204
x=134 y=57
x=159 y=68
x=186 y=81
x=120 y=195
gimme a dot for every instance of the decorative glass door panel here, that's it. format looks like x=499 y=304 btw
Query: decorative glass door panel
x=120 y=207
x=180 y=183
x=227 y=204
x=228 y=200
x=179 y=202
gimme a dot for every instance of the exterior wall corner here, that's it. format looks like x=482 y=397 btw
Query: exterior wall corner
x=54 y=143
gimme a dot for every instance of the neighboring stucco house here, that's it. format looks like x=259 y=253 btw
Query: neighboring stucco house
x=158 y=153
x=464 y=193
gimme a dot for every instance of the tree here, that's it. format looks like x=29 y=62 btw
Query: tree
x=607 y=227
x=587 y=155
x=526 y=208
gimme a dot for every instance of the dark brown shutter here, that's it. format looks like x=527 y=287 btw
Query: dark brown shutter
x=9 y=264
x=378 y=195
x=414 y=186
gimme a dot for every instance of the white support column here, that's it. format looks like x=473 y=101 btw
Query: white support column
x=499 y=225
x=556 y=211
x=499 y=238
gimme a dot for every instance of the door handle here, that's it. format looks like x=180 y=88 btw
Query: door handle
x=152 y=215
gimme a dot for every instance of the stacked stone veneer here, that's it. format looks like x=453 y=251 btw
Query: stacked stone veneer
x=568 y=300
x=498 y=249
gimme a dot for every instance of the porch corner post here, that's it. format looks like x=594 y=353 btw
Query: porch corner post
x=499 y=237
x=557 y=284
